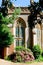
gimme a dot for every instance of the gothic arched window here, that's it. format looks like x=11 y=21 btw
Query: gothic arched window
x=20 y=32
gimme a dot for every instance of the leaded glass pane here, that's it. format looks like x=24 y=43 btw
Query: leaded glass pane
x=17 y=42
x=17 y=31
x=20 y=34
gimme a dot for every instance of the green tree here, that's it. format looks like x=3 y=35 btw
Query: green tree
x=35 y=9
x=6 y=37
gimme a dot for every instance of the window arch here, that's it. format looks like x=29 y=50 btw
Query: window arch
x=20 y=32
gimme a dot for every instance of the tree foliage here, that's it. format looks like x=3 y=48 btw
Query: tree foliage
x=6 y=37
x=35 y=9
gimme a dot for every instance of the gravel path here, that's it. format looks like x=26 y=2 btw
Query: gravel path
x=3 y=62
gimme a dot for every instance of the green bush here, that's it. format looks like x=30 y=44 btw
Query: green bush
x=39 y=59
x=22 y=54
x=42 y=53
x=36 y=51
x=20 y=48
x=7 y=58
x=19 y=59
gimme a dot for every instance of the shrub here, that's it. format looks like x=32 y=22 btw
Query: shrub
x=20 y=48
x=19 y=59
x=40 y=59
x=7 y=58
x=21 y=55
x=36 y=51
x=42 y=53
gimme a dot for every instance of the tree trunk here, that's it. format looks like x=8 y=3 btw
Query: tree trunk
x=30 y=38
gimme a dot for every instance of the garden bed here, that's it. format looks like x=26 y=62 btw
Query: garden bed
x=26 y=55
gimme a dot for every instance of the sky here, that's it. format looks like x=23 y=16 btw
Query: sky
x=20 y=2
